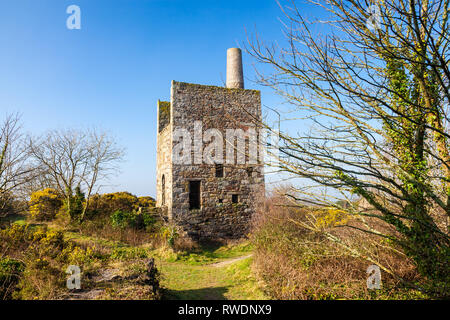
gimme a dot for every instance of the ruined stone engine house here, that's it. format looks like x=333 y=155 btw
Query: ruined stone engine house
x=211 y=200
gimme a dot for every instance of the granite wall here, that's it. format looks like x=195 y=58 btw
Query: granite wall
x=214 y=108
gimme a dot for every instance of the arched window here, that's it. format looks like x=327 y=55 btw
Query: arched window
x=163 y=190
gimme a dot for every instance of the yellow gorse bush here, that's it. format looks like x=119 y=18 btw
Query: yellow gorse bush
x=79 y=256
x=332 y=217
x=44 y=204
x=45 y=255
x=146 y=202
x=39 y=237
x=15 y=232
x=53 y=238
x=124 y=201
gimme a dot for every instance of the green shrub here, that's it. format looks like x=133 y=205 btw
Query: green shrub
x=76 y=205
x=148 y=219
x=10 y=272
x=122 y=219
x=136 y=220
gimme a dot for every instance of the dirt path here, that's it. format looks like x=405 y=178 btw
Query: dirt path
x=230 y=261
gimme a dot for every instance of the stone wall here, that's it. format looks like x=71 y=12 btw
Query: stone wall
x=220 y=108
x=164 y=157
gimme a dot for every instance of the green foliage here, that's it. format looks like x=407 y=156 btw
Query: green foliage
x=418 y=235
x=420 y=239
x=136 y=220
x=10 y=272
x=75 y=209
x=122 y=219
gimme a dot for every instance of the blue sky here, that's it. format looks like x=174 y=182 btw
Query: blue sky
x=111 y=73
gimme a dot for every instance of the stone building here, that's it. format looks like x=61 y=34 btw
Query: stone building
x=210 y=178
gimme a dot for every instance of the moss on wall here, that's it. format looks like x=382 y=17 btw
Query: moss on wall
x=164 y=114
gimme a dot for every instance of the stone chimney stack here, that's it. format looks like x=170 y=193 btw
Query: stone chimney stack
x=235 y=74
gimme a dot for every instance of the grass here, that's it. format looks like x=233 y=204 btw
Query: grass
x=15 y=218
x=242 y=283
x=85 y=239
x=206 y=282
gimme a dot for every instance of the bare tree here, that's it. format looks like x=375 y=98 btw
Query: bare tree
x=376 y=92
x=68 y=159
x=103 y=155
x=15 y=171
